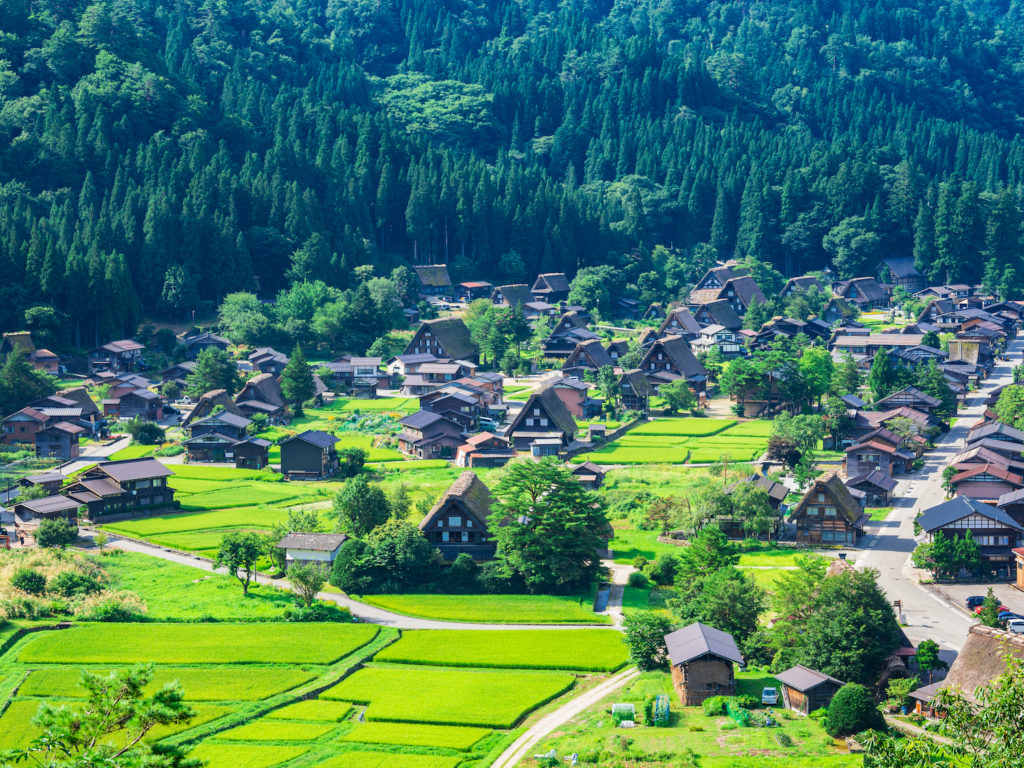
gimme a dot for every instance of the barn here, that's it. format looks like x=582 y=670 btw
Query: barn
x=702 y=660
x=804 y=689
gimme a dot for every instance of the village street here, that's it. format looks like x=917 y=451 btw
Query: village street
x=888 y=545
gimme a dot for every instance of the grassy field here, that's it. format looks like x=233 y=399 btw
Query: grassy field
x=497 y=609
x=493 y=699
x=417 y=735
x=198 y=643
x=584 y=650
x=629 y=544
x=175 y=592
x=134 y=451
x=200 y=683
x=711 y=741
x=685 y=440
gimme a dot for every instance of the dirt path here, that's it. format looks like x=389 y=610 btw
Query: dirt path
x=521 y=747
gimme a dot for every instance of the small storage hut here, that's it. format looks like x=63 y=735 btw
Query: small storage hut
x=702 y=663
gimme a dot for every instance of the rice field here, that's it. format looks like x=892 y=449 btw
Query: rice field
x=365 y=759
x=492 y=699
x=583 y=650
x=246 y=755
x=685 y=440
x=276 y=730
x=493 y=609
x=317 y=710
x=457 y=737
x=198 y=643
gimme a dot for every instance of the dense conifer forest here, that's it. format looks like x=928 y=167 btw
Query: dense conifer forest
x=191 y=148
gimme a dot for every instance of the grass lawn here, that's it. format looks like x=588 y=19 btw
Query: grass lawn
x=246 y=755
x=496 y=609
x=494 y=699
x=176 y=592
x=635 y=598
x=777 y=557
x=878 y=513
x=628 y=544
x=417 y=735
x=585 y=649
x=134 y=451
x=198 y=643
x=224 y=683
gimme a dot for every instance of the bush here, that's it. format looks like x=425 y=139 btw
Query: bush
x=747 y=702
x=819 y=714
x=56 y=533
x=318 y=611
x=169 y=450
x=640 y=562
x=26 y=607
x=783 y=738
x=351 y=461
x=147 y=433
x=663 y=570
x=853 y=710
x=29 y=580
x=113 y=606
x=638 y=580
x=715 y=706
x=72 y=583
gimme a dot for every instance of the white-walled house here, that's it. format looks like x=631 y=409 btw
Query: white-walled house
x=303 y=548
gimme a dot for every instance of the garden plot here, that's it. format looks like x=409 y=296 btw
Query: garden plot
x=583 y=650
x=493 y=609
x=198 y=643
x=450 y=696
x=417 y=735
x=223 y=683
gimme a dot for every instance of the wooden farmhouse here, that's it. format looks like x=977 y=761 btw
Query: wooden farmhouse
x=702 y=659
x=543 y=417
x=636 y=391
x=28 y=514
x=427 y=435
x=22 y=426
x=434 y=279
x=511 y=295
x=305 y=548
x=671 y=358
x=457 y=524
x=805 y=690
x=129 y=488
x=446 y=337
x=58 y=440
x=310 y=455
x=995 y=531
x=708 y=287
x=551 y=287
x=828 y=514
x=680 y=322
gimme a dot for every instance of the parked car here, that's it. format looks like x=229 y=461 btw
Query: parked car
x=1015 y=625
x=1007 y=615
x=974 y=601
x=770 y=696
x=1001 y=609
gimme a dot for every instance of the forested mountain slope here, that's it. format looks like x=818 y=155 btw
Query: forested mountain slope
x=504 y=136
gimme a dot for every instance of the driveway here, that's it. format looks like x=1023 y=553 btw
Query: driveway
x=929 y=612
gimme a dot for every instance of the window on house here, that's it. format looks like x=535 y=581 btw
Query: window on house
x=830 y=511
x=454 y=522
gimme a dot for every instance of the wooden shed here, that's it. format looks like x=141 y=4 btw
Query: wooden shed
x=805 y=690
x=702 y=660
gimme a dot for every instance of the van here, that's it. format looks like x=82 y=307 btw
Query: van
x=1015 y=625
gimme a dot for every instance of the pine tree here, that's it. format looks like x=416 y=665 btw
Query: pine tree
x=297 y=383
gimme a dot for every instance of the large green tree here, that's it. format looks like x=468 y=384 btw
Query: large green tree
x=214 y=370
x=297 y=383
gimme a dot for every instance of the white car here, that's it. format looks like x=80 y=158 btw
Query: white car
x=1015 y=625
x=770 y=696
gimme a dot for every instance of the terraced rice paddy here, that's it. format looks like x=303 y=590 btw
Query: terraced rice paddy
x=685 y=440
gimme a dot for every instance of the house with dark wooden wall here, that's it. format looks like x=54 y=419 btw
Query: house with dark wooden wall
x=446 y=337
x=828 y=514
x=457 y=524
x=129 y=488
x=702 y=660
x=310 y=455
x=995 y=531
x=671 y=358
x=551 y=287
x=58 y=440
x=543 y=417
x=806 y=690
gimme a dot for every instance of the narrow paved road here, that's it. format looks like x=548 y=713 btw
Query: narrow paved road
x=889 y=543
x=364 y=612
x=521 y=747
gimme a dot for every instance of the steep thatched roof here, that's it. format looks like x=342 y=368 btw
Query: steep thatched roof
x=474 y=495
x=831 y=485
x=980 y=661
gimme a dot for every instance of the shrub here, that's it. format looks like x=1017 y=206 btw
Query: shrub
x=147 y=433
x=851 y=711
x=29 y=580
x=747 y=702
x=56 y=533
x=638 y=580
x=318 y=611
x=663 y=570
x=783 y=738
x=351 y=461
x=715 y=706
x=26 y=607
x=169 y=450
x=644 y=634
x=112 y=606
x=819 y=714
x=72 y=583
x=640 y=562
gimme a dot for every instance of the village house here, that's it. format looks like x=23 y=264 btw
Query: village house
x=982 y=659
x=268 y=360
x=194 y=345
x=569 y=332
x=28 y=514
x=20 y=427
x=41 y=359
x=729 y=343
x=995 y=532
x=484 y=449
x=874 y=487
x=838 y=311
x=446 y=337
x=434 y=280
x=996 y=431
x=575 y=395
x=900 y=272
x=718 y=313
x=213 y=438
x=129 y=488
x=911 y=397
x=589 y=474
x=828 y=514
x=427 y=435
x=655 y=311
x=671 y=358
x=708 y=287
x=511 y=295
x=879 y=450
x=457 y=523
x=805 y=690
x=617 y=348
x=456 y=404
x=985 y=481
x=178 y=373
x=865 y=292
x=702 y=660
x=551 y=287
x=311 y=548
x=741 y=293
x=116 y=356
x=636 y=391
x=251 y=453
x=359 y=376
x=58 y=440
x=127 y=403
x=474 y=289
x=802 y=284
x=309 y=455
x=588 y=357
x=680 y=322
x=262 y=394
x=866 y=346
x=208 y=402
x=535 y=310
x=543 y=417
